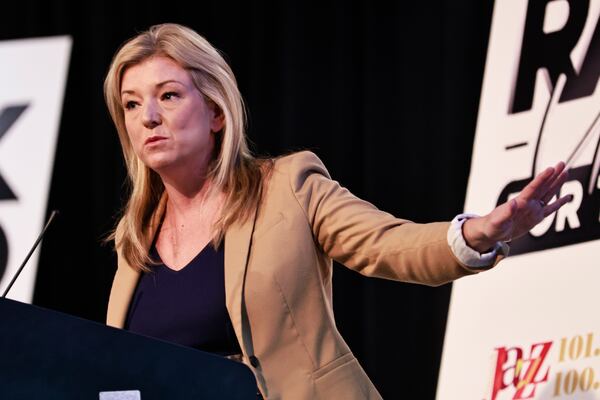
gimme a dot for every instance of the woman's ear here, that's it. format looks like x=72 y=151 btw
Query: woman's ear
x=218 y=118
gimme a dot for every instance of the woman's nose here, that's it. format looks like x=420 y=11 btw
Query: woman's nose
x=151 y=117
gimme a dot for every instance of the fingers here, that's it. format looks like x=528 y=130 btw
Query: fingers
x=550 y=208
x=538 y=186
x=555 y=186
x=546 y=184
x=558 y=169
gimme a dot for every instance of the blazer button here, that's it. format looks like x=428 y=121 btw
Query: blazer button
x=254 y=361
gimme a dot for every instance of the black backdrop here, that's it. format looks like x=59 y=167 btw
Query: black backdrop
x=386 y=95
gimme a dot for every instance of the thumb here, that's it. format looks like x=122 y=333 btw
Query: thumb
x=506 y=211
x=513 y=207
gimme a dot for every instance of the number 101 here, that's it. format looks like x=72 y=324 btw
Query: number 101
x=576 y=347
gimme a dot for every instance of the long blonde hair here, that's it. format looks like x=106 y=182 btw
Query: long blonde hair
x=233 y=171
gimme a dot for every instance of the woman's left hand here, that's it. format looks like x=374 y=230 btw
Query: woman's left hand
x=518 y=216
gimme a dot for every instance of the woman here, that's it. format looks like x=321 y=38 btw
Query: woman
x=270 y=227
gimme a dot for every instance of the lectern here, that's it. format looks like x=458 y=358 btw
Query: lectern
x=49 y=355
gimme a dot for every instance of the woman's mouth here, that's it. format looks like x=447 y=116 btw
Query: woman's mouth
x=154 y=139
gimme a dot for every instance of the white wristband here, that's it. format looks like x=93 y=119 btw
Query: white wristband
x=467 y=255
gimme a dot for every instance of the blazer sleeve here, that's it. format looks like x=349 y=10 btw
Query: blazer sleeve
x=360 y=236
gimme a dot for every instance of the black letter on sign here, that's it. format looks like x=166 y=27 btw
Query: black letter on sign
x=550 y=51
x=3 y=253
x=585 y=83
x=7 y=119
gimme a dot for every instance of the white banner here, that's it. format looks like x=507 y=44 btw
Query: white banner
x=530 y=328
x=33 y=74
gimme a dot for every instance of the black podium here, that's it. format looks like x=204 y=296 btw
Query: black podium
x=47 y=355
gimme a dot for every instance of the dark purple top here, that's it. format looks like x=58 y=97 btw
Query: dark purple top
x=186 y=306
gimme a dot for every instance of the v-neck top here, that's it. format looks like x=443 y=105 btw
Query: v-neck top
x=186 y=306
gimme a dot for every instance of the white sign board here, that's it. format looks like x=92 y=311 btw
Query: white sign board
x=33 y=74
x=530 y=328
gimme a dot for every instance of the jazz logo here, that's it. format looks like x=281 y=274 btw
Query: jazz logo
x=520 y=371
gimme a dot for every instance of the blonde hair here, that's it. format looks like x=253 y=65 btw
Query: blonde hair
x=233 y=171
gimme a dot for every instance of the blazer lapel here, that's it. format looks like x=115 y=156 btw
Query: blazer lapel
x=126 y=278
x=238 y=241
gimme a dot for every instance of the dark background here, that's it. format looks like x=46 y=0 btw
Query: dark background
x=386 y=95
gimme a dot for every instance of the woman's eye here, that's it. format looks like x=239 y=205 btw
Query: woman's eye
x=169 y=95
x=130 y=105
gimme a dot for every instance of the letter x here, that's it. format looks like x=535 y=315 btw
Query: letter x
x=7 y=118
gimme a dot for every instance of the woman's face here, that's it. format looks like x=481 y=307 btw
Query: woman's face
x=168 y=121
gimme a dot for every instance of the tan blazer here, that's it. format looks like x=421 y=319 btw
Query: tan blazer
x=278 y=286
